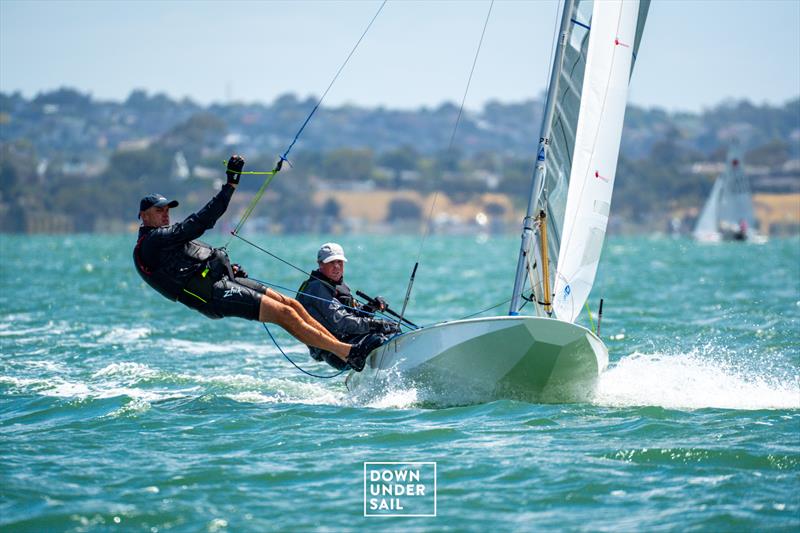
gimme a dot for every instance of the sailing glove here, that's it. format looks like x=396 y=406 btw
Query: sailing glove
x=235 y=166
x=384 y=326
x=377 y=304
x=238 y=271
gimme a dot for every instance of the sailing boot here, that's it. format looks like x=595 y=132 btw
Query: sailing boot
x=361 y=350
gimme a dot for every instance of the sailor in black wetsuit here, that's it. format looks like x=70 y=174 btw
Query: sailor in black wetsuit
x=328 y=299
x=183 y=269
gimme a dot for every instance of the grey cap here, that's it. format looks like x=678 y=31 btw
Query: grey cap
x=330 y=251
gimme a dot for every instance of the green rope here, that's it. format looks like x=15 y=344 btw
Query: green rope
x=591 y=322
x=258 y=195
x=259 y=172
x=285 y=155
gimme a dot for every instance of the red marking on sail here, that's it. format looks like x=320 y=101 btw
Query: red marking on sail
x=598 y=176
x=620 y=43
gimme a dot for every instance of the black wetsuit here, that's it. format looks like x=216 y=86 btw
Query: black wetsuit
x=192 y=272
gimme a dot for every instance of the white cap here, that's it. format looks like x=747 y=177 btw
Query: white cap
x=330 y=251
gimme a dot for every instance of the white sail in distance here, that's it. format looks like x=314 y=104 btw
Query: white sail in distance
x=609 y=60
x=707 y=227
x=729 y=208
x=735 y=199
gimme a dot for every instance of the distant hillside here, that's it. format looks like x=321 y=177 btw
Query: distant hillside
x=63 y=147
x=68 y=122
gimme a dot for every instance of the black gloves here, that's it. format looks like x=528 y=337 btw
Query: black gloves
x=235 y=166
x=238 y=271
x=385 y=327
x=382 y=304
x=371 y=307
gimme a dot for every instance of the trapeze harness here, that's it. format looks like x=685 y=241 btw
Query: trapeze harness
x=341 y=291
x=203 y=264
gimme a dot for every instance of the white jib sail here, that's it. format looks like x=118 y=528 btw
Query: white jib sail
x=707 y=225
x=599 y=131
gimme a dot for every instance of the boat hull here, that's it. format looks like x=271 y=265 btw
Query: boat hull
x=477 y=360
x=716 y=237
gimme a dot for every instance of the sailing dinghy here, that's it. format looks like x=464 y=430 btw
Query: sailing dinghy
x=544 y=356
x=728 y=213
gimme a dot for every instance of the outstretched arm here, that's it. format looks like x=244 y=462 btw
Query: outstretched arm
x=198 y=223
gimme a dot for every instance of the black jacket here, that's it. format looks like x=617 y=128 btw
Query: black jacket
x=334 y=307
x=168 y=257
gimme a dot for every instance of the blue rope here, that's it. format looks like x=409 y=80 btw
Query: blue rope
x=275 y=342
x=279 y=165
x=286 y=153
x=257 y=247
x=287 y=289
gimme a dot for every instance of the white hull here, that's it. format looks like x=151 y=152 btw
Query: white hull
x=715 y=237
x=483 y=359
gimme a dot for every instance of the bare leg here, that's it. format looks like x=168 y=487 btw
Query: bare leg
x=300 y=310
x=286 y=317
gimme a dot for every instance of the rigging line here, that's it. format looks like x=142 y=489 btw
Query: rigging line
x=556 y=24
x=295 y=291
x=534 y=287
x=550 y=65
x=285 y=155
x=256 y=198
x=275 y=342
x=455 y=128
x=471 y=72
x=256 y=172
x=487 y=309
x=257 y=247
x=341 y=68
x=558 y=127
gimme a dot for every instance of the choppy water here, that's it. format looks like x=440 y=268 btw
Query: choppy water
x=119 y=409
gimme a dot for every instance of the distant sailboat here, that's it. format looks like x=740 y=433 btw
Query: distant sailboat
x=546 y=356
x=728 y=212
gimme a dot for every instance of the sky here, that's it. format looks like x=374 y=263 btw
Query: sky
x=694 y=55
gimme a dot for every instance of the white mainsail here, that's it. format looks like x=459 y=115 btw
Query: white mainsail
x=597 y=140
x=543 y=358
x=578 y=149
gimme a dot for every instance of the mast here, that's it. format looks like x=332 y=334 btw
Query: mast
x=539 y=172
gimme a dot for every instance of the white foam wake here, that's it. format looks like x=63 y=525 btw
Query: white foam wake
x=694 y=380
